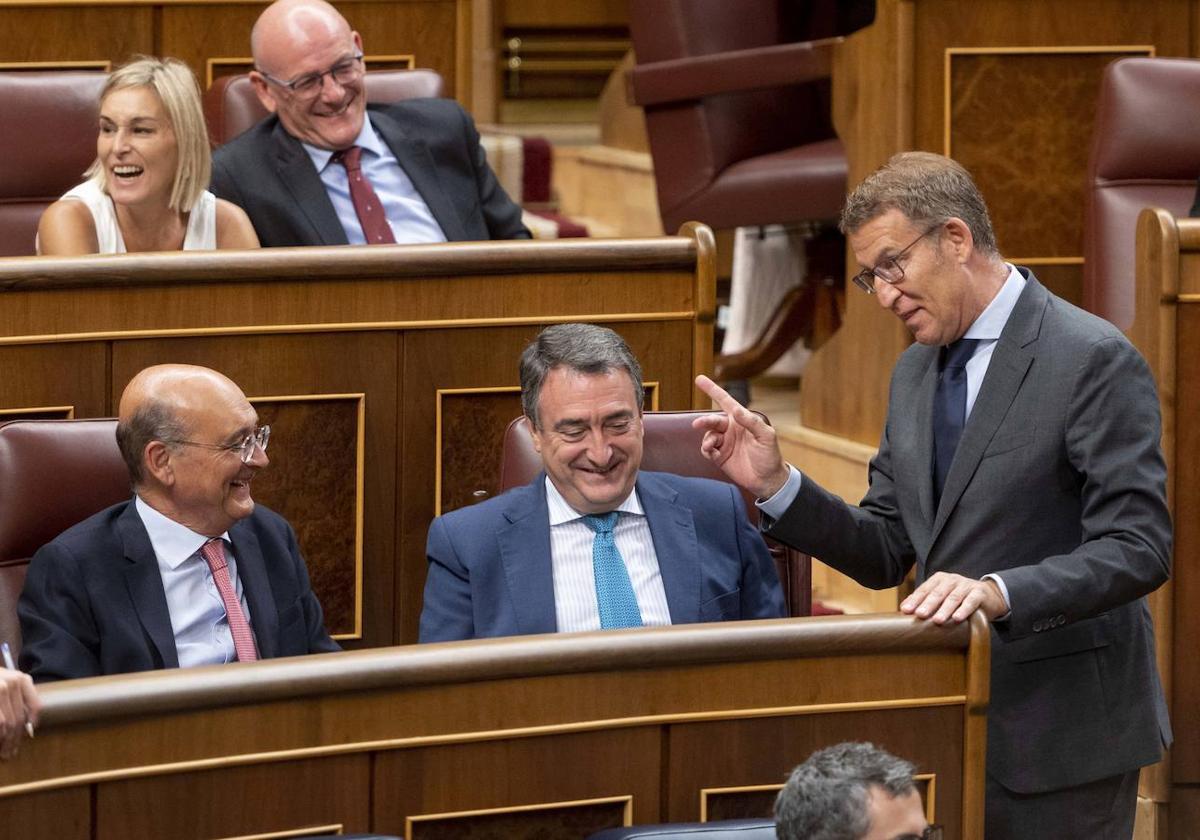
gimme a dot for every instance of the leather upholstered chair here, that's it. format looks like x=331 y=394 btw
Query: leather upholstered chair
x=53 y=474
x=231 y=106
x=739 y=117
x=761 y=829
x=1145 y=153
x=48 y=134
x=671 y=445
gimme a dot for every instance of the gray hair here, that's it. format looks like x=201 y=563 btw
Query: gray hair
x=928 y=189
x=153 y=420
x=826 y=797
x=584 y=348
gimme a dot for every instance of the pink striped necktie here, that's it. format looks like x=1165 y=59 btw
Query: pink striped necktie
x=213 y=553
x=371 y=217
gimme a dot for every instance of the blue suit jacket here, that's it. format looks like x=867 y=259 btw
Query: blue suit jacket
x=94 y=601
x=490 y=572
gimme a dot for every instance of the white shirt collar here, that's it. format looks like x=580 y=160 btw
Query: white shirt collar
x=173 y=543
x=367 y=138
x=561 y=512
x=991 y=321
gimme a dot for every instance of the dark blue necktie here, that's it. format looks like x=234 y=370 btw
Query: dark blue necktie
x=614 y=591
x=950 y=409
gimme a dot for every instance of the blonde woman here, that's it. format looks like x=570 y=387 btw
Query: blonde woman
x=146 y=190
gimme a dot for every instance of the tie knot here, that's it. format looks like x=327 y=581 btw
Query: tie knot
x=213 y=553
x=602 y=523
x=349 y=158
x=959 y=353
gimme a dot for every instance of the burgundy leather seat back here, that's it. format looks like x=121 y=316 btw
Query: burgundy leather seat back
x=1145 y=153
x=48 y=133
x=671 y=445
x=53 y=474
x=231 y=105
x=696 y=141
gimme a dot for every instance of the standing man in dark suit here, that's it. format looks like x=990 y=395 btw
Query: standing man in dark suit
x=592 y=543
x=1020 y=472
x=190 y=571
x=326 y=169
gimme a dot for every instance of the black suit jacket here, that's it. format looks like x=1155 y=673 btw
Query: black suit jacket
x=267 y=173
x=94 y=601
x=1058 y=486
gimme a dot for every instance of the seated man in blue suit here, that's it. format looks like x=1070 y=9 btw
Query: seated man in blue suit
x=592 y=543
x=189 y=571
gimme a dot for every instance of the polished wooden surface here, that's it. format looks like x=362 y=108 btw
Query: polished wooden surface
x=549 y=731
x=213 y=36
x=1166 y=329
x=317 y=335
x=1008 y=88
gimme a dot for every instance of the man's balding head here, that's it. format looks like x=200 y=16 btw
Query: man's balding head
x=297 y=38
x=177 y=428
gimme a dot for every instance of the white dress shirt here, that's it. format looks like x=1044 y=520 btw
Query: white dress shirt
x=407 y=213
x=986 y=328
x=575 y=605
x=198 y=618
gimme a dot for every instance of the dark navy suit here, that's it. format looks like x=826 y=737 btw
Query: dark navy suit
x=94 y=601
x=490 y=572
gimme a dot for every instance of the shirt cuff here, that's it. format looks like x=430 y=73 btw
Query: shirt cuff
x=1003 y=592
x=775 y=506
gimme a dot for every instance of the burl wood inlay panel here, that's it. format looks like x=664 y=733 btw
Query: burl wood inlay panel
x=473 y=424
x=740 y=804
x=61 y=814
x=314 y=486
x=554 y=822
x=1018 y=121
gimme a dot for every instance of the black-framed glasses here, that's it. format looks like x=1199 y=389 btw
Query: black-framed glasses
x=888 y=269
x=933 y=832
x=345 y=72
x=244 y=448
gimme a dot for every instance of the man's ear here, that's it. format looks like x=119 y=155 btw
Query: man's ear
x=534 y=435
x=958 y=234
x=156 y=462
x=263 y=91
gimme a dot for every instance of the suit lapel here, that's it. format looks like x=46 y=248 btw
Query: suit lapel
x=676 y=548
x=144 y=582
x=417 y=162
x=252 y=572
x=924 y=421
x=298 y=174
x=525 y=555
x=1011 y=358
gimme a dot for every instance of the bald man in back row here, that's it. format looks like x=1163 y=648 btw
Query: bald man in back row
x=190 y=571
x=327 y=169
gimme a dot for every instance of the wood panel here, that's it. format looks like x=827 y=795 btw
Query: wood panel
x=535 y=736
x=315 y=336
x=1165 y=330
x=253 y=800
x=433 y=32
x=1021 y=106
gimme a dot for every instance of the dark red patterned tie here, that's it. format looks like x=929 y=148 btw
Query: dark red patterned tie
x=370 y=213
x=213 y=553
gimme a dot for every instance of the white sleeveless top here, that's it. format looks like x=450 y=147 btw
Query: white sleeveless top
x=201 y=232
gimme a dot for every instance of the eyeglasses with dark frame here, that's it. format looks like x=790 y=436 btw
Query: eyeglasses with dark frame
x=933 y=832
x=888 y=269
x=244 y=448
x=345 y=72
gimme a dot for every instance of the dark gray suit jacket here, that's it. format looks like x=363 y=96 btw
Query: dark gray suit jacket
x=1059 y=486
x=94 y=602
x=267 y=173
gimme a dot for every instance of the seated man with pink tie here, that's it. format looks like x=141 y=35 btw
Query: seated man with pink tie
x=189 y=571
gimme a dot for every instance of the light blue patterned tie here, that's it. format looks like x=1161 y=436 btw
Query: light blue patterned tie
x=614 y=591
